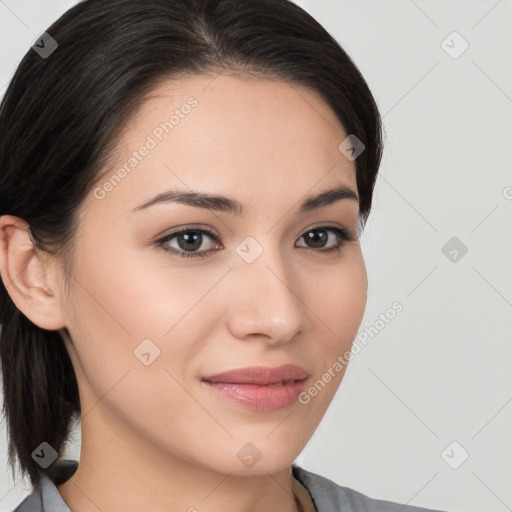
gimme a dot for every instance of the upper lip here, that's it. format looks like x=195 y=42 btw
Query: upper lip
x=261 y=375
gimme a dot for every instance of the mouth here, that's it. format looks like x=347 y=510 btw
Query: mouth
x=259 y=388
x=262 y=375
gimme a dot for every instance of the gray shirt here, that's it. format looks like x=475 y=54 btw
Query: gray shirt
x=327 y=495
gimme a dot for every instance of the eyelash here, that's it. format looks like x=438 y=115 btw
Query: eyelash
x=343 y=236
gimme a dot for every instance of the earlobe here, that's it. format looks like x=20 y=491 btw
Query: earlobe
x=26 y=277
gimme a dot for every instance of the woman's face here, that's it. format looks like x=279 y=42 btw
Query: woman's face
x=147 y=325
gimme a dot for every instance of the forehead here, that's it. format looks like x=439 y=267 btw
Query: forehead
x=242 y=137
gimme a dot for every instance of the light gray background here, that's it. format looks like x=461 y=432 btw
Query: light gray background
x=440 y=370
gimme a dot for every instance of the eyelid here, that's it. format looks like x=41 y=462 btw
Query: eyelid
x=343 y=235
x=351 y=234
x=174 y=232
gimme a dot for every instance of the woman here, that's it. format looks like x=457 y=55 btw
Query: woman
x=183 y=183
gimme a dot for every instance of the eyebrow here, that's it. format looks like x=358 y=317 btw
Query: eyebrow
x=234 y=207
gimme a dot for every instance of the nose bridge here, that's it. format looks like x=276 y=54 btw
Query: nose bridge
x=266 y=302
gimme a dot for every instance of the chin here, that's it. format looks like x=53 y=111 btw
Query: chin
x=257 y=457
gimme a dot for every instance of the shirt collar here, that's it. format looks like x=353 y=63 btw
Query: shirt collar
x=57 y=473
x=61 y=470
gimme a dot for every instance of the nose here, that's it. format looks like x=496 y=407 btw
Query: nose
x=264 y=299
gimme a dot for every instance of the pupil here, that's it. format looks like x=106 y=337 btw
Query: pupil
x=195 y=237
x=317 y=236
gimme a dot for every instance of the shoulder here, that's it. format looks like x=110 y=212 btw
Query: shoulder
x=45 y=497
x=32 y=503
x=328 y=496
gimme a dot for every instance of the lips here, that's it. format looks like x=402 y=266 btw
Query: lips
x=261 y=375
x=260 y=388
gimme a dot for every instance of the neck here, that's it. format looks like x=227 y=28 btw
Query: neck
x=119 y=471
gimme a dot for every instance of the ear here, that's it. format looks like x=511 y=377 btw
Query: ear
x=28 y=280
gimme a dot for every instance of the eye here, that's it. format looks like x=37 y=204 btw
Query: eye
x=189 y=240
x=318 y=237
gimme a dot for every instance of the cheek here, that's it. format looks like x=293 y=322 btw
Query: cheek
x=337 y=303
x=120 y=302
x=137 y=295
x=337 y=299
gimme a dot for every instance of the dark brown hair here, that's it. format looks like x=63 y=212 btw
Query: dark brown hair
x=62 y=115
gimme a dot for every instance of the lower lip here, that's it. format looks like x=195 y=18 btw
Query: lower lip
x=260 y=398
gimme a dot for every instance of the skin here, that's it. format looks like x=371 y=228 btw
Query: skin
x=153 y=438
